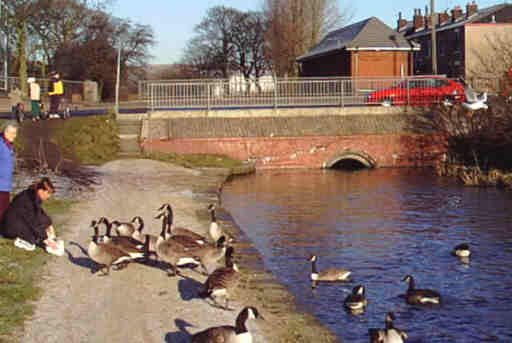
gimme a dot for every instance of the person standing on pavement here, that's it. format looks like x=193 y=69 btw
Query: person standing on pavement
x=35 y=97
x=56 y=92
x=7 y=160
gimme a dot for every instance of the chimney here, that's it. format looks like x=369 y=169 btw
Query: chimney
x=402 y=23
x=418 y=20
x=471 y=8
x=427 y=19
x=443 y=18
x=456 y=13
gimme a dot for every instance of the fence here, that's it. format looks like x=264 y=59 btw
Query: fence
x=71 y=88
x=310 y=92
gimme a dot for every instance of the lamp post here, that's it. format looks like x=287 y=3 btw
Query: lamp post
x=118 y=78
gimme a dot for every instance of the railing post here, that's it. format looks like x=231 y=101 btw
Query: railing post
x=207 y=96
x=341 y=92
x=275 y=92
x=408 y=93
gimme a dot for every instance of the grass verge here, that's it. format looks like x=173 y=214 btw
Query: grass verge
x=20 y=271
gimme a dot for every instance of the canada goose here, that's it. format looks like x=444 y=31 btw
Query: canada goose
x=172 y=252
x=228 y=333
x=208 y=254
x=330 y=275
x=222 y=281
x=179 y=231
x=129 y=245
x=124 y=228
x=186 y=241
x=356 y=301
x=420 y=296
x=461 y=250
x=214 y=230
x=105 y=254
x=388 y=335
x=141 y=237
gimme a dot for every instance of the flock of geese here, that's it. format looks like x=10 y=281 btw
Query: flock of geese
x=177 y=247
x=356 y=302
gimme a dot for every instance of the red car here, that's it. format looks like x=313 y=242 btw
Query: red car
x=420 y=91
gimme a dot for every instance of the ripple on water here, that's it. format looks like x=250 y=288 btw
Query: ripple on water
x=383 y=228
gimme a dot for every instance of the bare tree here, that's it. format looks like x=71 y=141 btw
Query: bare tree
x=214 y=39
x=296 y=26
x=94 y=54
x=491 y=59
x=248 y=38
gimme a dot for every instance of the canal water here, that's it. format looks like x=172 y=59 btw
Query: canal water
x=383 y=225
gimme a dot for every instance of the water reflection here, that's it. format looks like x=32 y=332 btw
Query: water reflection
x=382 y=225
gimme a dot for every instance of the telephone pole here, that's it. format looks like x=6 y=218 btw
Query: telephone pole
x=433 y=20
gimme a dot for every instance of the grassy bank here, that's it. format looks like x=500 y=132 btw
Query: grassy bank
x=20 y=271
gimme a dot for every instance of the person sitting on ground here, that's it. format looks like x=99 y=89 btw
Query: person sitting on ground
x=27 y=223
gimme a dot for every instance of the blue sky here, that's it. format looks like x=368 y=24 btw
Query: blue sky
x=173 y=21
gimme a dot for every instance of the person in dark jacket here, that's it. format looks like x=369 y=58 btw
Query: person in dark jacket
x=26 y=221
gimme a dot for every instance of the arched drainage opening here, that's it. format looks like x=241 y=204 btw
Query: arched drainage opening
x=351 y=160
x=349 y=164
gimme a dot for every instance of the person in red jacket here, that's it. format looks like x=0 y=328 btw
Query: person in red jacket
x=27 y=223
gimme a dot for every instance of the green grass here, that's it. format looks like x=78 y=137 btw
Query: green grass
x=90 y=140
x=196 y=160
x=20 y=272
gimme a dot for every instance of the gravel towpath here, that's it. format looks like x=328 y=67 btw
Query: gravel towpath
x=139 y=303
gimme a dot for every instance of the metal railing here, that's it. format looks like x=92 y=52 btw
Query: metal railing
x=71 y=88
x=289 y=92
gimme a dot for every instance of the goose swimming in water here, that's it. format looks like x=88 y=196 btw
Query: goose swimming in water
x=415 y=296
x=328 y=275
x=388 y=335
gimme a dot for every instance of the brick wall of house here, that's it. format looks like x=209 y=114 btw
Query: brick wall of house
x=380 y=63
x=362 y=63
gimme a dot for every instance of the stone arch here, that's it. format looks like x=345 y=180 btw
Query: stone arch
x=362 y=157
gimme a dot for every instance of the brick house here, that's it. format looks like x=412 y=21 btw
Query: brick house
x=463 y=39
x=368 y=48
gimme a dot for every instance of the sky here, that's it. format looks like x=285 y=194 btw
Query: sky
x=173 y=21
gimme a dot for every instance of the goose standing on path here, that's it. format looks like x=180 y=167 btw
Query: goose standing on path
x=124 y=228
x=388 y=335
x=209 y=254
x=222 y=281
x=228 y=333
x=328 y=275
x=420 y=296
x=179 y=231
x=215 y=231
x=129 y=245
x=105 y=254
x=172 y=252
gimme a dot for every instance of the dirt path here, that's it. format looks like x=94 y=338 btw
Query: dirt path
x=140 y=303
